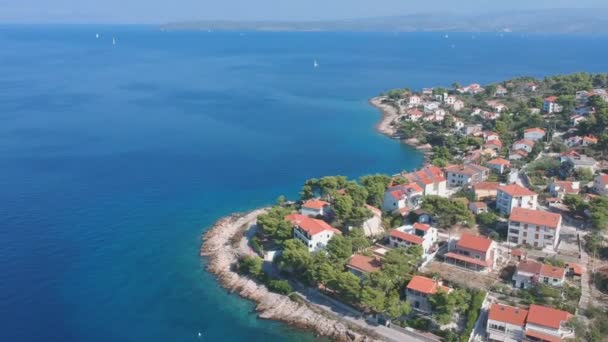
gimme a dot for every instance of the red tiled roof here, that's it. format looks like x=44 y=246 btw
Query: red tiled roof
x=479 y=205
x=466 y=259
x=364 y=263
x=508 y=314
x=547 y=317
x=407 y=237
x=590 y=139
x=604 y=178
x=425 y=285
x=515 y=190
x=535 y=129
x=400 y=191
x=494 y=142
x=524 y=142
x=486 y=186
x=422 y=226
x=473 y=242
x=551 y=99
x=542 y=336
x=310 y=225
x=536 y=217
x=529 y=266
x=567 y=186
x=499 y=161
x=552 y=271
x=314 y=204
x=518 y=252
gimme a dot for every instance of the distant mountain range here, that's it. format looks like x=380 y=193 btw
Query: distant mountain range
x=545 y=21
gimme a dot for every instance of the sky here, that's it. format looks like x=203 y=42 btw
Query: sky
x=162 y=11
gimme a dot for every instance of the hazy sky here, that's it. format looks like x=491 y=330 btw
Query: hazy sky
x=159 y=11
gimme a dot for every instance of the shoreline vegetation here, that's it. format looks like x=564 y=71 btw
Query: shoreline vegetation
x=222 y=246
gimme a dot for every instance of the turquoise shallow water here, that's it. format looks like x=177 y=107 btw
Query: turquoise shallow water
x=114 y=159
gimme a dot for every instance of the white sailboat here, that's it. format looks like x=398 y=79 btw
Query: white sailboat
x=113 y=41
x=316 y=64
x=97 y=35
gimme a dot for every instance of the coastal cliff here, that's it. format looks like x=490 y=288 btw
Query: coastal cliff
x=222 y=247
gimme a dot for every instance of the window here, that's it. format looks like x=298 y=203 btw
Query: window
x=497 y=327
x=525 y=234
x=536 y=236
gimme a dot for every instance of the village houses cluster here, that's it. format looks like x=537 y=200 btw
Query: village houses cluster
x=529 y=222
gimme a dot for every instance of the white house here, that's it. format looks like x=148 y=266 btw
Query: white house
x=600 y=184
x=472 y=252
x=314 y=233
x=449 y=100
x=560 y=189
x=458 y=124
x=523 y=144
x=577 y=119
x=506 y=323
x=500 y=165
x=551 y=106
x=574 y=141
x=534 y=134
x=373 y=225
x=515 y=196
x=430 y=179
x=529 y=273
x=518 y=155
x=489 y=135
x=537 y=324
x=430 y=107
x=402 y=196
x=575 y=161
x=589 y=140
x=415 y=100
x=458 y=105
x=419 y=234
x=473 y=129
x=414 y=114
x=536 y=228
x=547 y=324
x=478 y=207
x=463 y=175
x=314 y=207
x=418 y=291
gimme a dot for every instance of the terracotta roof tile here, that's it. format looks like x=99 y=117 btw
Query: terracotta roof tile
x=364 y=263
x=547 y=317
x=426 y=285
x=552 y=271
x=508 y=314
x=315 y=204
x=407 y=237
x=536 y=217
x=476 y=243
x=515 y=190
x=499 y=161
x=310 y=225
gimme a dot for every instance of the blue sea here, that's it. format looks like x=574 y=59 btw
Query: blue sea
x=114 y=159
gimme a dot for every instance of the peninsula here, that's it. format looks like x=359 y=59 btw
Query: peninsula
x=504 y=227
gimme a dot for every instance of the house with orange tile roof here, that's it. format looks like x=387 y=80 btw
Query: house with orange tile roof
x=600 y=184
x=529 y=273
x=559 y=189
x=314 y=207
x=518 y=155
x=464 y=175
x=431 y=179
x=536 y=324
x=506 y=323
x=360 y=265
x=493 y=145
x=472 y=252
x=314 y=233
x=524 y=145
x=418 y=291
x=550 y=105
x=515 y=196
x=500 y=165
x=485 y=190
x=547 y=324
x=536 y=228
x=589 y=140
x=478 y=207
x=418 y=234
x=404 y=196
x=534 y=134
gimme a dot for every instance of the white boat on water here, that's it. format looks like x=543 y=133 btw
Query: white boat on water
x=97 y=35
x=316 y=64
x=113 y=41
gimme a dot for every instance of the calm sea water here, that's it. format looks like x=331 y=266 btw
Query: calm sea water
x=114 y=159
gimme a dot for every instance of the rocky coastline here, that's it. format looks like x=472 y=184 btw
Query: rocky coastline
x=222 y=247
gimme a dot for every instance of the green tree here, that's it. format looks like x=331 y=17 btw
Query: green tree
x=295 y=256
x=599 y=213
x=343 y=206
x=339 y=248
x=347 y=285
x=373 y=299
x=358 y=240
x=273 y=224
x=252 y=266
x=375 y=185
x=395 y=307
x=575 y=204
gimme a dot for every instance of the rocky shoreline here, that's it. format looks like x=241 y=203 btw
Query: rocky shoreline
x=385 y=126
x=221 y=247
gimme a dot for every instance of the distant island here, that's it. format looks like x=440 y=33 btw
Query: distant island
x=546 y=21
x=506 y=226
